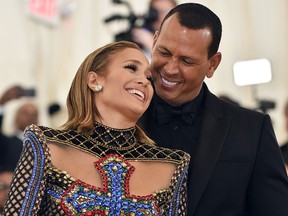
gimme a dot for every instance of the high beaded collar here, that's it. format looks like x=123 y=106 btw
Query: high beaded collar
x=118 y=139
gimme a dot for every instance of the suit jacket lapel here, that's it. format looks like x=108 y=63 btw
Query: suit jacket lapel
x=213 y=132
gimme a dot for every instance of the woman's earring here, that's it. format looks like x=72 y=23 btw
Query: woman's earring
x=97 y=87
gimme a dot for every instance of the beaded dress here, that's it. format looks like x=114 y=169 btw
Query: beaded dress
x=39 y=188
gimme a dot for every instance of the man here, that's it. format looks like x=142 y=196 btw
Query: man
x=144 y=35
x=236 y=166
x=12 y=93
x=26 y=114
x=284 y=146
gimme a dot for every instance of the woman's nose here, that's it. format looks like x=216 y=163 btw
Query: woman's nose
x=142 y=80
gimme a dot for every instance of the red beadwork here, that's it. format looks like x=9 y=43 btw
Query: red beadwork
x=105 y=186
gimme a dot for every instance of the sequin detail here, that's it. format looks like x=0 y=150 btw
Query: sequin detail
x=37 y=174
x=113 y=198
x=117 y=139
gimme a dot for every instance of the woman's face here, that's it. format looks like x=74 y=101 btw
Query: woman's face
x=127 y=91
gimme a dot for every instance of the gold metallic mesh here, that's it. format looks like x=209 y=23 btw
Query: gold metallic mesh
x=91 y=145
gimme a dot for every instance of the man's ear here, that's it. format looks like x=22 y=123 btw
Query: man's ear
x=155 y=37
x=214 y=63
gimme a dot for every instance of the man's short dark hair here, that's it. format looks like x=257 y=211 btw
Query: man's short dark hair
x=196 y=16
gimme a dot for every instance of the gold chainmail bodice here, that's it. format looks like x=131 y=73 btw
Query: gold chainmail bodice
x=39 y=188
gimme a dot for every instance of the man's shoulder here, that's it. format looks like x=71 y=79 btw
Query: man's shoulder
x=284 y=147
x=230 y=108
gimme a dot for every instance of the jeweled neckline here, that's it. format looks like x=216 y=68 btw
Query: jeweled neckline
x=118 y=139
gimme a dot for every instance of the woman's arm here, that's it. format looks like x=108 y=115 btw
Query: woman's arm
x=28 y=182
x=178 y=203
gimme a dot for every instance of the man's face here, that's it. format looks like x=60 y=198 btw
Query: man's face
x=26 y=115
x=180 y=61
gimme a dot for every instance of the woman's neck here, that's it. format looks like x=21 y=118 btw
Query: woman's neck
x=116 y=122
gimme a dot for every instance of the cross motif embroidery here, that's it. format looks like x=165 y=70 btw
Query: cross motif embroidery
x=113 y=198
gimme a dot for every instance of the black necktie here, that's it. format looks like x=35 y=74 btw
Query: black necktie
x=165 y=112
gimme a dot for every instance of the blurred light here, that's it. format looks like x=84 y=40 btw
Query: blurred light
x=67 y=9
x=46 y=11
x=252 y=72
x=50 y=11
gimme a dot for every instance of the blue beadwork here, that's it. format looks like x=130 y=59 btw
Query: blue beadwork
x=114 y=195
x=37 y=173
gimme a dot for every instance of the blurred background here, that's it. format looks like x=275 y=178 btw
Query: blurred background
x=43 y=43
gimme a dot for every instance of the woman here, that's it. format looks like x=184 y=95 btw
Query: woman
x=101 y=163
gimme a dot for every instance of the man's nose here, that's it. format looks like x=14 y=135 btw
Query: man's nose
x=171 y=66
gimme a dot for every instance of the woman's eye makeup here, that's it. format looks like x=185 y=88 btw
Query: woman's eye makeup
x=133 y=67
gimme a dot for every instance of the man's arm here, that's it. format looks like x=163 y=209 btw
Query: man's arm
x=268 y=190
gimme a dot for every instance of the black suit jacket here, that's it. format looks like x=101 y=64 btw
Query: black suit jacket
x=236 y=168
x=10 y=150
x=284 y=151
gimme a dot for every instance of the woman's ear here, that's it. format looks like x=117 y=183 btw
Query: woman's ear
x=91 y=79
x=94 y=81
